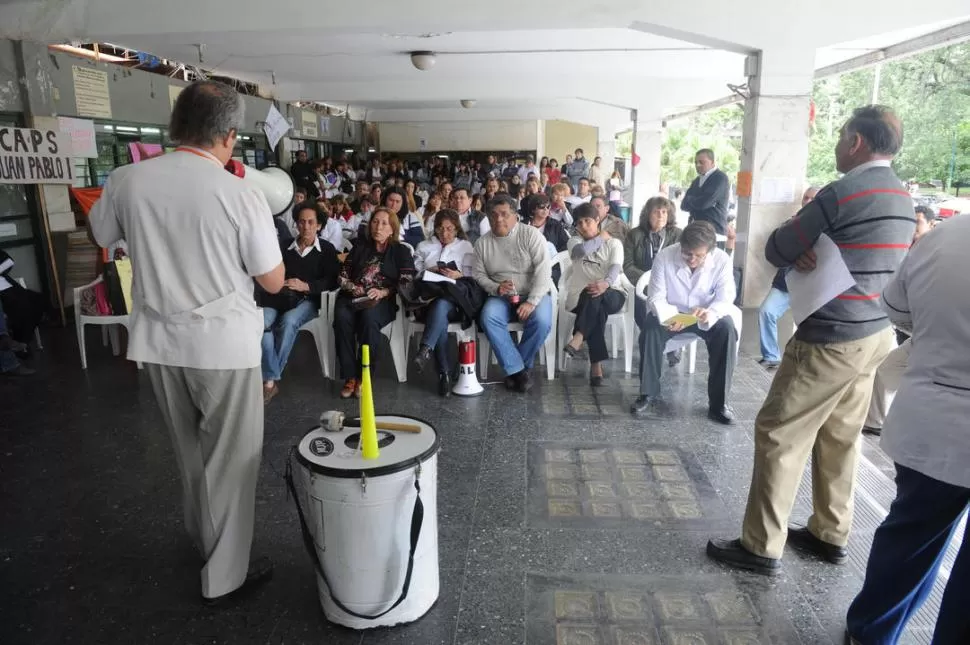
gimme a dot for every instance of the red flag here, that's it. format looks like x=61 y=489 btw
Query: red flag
x=636 y=159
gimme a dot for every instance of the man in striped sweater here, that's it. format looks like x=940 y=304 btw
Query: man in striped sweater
x=819 y=398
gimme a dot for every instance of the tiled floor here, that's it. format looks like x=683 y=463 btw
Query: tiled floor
x=561 y=519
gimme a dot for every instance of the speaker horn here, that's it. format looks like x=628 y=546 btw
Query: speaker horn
x=275 y=184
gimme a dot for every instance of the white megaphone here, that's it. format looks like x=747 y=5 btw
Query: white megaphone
x=467 y=384
x=275 y=184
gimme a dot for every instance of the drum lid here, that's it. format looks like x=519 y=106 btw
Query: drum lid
x=337 y=454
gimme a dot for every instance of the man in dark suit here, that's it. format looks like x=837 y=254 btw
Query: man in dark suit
x=708 y=197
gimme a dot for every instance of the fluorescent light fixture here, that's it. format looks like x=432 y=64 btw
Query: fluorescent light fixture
x=371 y=150
x=351 y=150
x=150 y=131
x=126 y=128
x=109 y=128
x=442 y=156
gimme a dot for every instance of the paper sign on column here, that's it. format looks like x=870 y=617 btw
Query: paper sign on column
x=275 y=127
x=310 y=124
x=81 y=132
x=810 y=291
x=777 y=190
x=422 y=144
x=91 y=94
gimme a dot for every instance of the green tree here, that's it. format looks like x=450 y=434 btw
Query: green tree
x=719 y=130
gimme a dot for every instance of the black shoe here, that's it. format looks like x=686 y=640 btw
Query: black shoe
x=769 y=365
x=260 y=571
x=673 y=358
x=642 y=405
x=444 y=384
x=596 y=381
x=422 y=358
x=510 y=382
x=523 y=381
x=875 y=432
x=803 y=540
x=723 y=415
x=570 y=350
x=733 y=554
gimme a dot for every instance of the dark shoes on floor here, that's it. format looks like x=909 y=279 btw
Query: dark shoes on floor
x=570 y=351
x=520 y=381
x=444 y=384
x=768 y=365
x=673 y=358
x=803 y=540
x=596 y=381
x=733 y=554
x=260 y=571
x=869 y=430
x=422 y=358
x=643 y=406
x=723 y=415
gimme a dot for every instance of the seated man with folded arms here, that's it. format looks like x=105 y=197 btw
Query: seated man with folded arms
x=692 y=277
x=512 y=265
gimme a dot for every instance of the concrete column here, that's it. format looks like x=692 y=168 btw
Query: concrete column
x=646 y=182
x=606 y=150
x=774 y=155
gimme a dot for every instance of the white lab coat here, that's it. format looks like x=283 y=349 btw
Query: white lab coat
x=431 y=251
x=674 y=289
x=927 y=428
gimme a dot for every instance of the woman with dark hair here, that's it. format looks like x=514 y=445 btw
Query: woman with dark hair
x=411 y=230
x=448 y=255
x=429 y=211
x=657 y=230
x=311 y=268
x=553 y=172
x=373 y=272
x=414 y=200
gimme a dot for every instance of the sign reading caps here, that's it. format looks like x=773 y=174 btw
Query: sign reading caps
x=310 y=124
x=35 y=156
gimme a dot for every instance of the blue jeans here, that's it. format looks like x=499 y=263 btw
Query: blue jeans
x=436 y=331
x=906 y=554
x=773 y=308
x=495 y=318
x=279 y=334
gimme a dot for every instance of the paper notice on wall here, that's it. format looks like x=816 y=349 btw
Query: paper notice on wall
x=173 y=94
x=91 y=94
x=309 y=120
x=275 y=127
x=35 y=156
x=777 y=190
x=8 y=229
x=325 y=126
x=422 y=144
x=81 y=133
x=810 y=291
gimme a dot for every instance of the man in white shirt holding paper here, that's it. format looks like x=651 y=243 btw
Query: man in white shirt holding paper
x=696 y=278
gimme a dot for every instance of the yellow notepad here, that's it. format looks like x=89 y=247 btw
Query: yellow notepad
x=684 y=319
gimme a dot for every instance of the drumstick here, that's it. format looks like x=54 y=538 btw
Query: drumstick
x=389 y=425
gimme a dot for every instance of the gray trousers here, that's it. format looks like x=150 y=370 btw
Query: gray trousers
x=215 y=418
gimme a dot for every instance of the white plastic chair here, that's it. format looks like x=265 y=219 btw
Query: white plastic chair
x=322 y=329
x=40 y=345
x=688 y=340
x=412 y=327
x=547 y=353
x=108 y=323
x=620 y=322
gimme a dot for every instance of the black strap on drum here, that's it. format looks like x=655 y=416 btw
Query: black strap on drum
x=417 y=519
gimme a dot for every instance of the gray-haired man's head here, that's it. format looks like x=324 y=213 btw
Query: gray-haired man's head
x=208 y=114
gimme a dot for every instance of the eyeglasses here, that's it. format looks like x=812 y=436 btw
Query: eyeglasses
x=441 y=228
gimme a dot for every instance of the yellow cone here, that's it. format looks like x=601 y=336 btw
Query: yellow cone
x=368 y=423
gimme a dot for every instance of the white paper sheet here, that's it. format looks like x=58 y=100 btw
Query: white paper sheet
x=431 y=276
x=810 y=291
x=275 y=127
x=777 y=190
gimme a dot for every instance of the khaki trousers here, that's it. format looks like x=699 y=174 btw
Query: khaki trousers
x=884 y=386
x=215 y=418
x=816 y=406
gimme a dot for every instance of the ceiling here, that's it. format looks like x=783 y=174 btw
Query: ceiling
x=585 y=60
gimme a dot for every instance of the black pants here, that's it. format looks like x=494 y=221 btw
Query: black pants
x=24 y=310
x=591 y=314
x=358 y=327
x=721 y=341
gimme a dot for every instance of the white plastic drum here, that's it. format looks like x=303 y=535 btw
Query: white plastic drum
x=360 y=514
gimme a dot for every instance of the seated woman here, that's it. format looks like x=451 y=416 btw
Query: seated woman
x=657 y=230
x=448 y=254
x=593 y=291
x=412 y=231
x=371 y=275
x=311 y=268
x=341 y=213
x=428 y=212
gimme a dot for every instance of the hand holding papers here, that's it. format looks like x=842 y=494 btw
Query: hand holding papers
x=685 y=320
x=811 y=290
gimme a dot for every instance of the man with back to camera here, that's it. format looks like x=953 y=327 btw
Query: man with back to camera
x=820 y=394
x=709 y=194
x=194 y=323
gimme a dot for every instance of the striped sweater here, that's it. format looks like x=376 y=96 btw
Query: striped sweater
x=869 y=215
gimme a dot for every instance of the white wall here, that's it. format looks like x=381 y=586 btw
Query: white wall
x=470 y=135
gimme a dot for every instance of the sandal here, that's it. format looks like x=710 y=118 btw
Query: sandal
x=349 y=388
x=269 y=393
x=570 y=350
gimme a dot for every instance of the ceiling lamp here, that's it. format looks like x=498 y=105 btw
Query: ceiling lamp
x=423 y=60
x=468 y=103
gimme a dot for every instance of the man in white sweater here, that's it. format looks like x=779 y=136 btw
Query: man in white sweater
x=512 y=265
